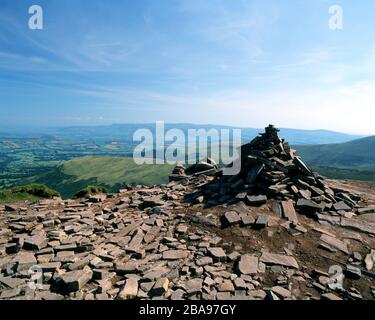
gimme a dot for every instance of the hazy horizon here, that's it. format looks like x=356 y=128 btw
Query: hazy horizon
x=43 y=128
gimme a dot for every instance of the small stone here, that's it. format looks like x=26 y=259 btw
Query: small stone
x=49 y=267
x=240 y=284
x=281 y=292
x=231 y=218
x=194 y=286
x=262 y=221
x=175 y=254
x=204 y=261
x=370 y=260
x=11 y=293
x=335 y=243
x=289 y=212
x=246 y=219
x=233 y=256
x=160 y=287
x=330 y=296
x=73 y=281
x=10 y=208
x=353 y=272
x=307 y=207
x=218 y=254
x=130 y=289
x=25 y=260
x=11 y=282
x=357 y=256
x=341 y=206
x=128 y=267
x=276 y=209
x=279 y=259
x=370 y=209
x=226 y=286
x=178 y=294
x=223 y=296
x=182 y=229
x=256 y=200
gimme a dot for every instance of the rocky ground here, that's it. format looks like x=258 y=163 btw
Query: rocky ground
x=149 y=243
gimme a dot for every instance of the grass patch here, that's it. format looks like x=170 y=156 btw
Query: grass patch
x=90 y=190
x=29 y=192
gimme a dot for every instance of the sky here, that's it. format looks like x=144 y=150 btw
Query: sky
x=231 y=62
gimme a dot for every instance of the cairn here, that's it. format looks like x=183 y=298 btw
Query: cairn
x=271 y=169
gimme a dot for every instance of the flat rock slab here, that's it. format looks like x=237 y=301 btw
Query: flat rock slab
x=248 y=265
x=279 y=259
x=330 y=296
x=246 y=219
x=10 y=282
x=357 y=225
x=194 y=286
x=231 y=218
x=25 y=260
x=308 y=206
x=204 y=261
x=152 y=234
x=341 y=206
x=175 y=254
x=335 y=243
x=289 y=212
x=128 y=267
x=73 y=281
x=36 y=242
x=160 y=287
x=370 y=209
x=262 y=221
x=256 y=200
x=281 y=292
x=218 y=254
x=130 y=289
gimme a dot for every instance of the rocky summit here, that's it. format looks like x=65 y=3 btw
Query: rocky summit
x=275 y=231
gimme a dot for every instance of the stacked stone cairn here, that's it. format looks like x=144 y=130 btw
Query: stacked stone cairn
x=271 y=169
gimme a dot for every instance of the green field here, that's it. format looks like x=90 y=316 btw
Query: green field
x=113 y=173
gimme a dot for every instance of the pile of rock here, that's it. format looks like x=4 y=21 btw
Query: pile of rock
x=271 y=169
x=207 y=167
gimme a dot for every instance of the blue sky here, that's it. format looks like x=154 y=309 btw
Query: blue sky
x=235 y=62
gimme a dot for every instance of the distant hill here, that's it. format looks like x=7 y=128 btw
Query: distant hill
x=357 y=155
x=125 y=132
x=112 y=173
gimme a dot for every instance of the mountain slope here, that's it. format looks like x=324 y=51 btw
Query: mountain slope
x=110 y=172
x=358 y=154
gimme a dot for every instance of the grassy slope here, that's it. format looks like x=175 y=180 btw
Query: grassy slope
x=354 y=155
x=345 y=174
x=110 y=172
x=28 y=192
x=9 y=197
